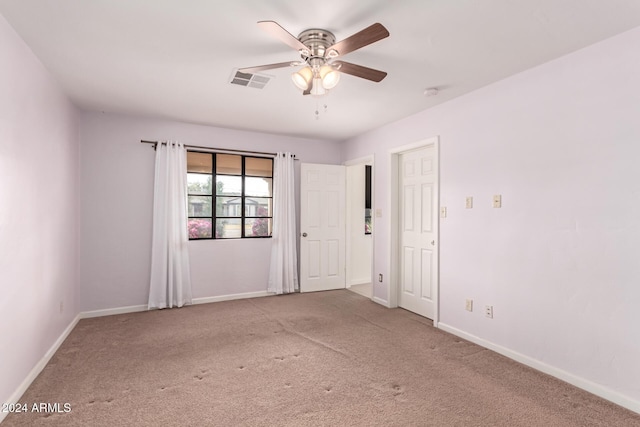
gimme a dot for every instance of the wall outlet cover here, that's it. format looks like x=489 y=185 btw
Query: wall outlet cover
x=488 y=311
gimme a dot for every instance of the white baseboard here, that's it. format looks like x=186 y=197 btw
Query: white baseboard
x=204 y=300
x=231 y=297
x=15 y=397
x=112 y=311
x=358 y=282
x=565 y=376
x=381 y=301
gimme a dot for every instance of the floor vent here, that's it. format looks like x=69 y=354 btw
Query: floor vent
x=258 y=81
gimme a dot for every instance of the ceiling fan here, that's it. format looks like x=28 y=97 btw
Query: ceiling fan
x=319 y=52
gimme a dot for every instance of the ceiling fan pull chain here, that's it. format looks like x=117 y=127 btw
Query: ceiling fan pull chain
x=325 y=107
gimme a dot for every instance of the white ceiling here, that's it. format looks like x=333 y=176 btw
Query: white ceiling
x=174 y=58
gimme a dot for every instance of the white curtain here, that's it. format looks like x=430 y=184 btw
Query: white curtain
x=283 y=274
x=170 y=276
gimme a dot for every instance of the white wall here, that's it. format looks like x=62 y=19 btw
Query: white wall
x=117 y=201
x=38 y=212
x=561 y=144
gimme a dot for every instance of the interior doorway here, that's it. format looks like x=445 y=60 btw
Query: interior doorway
x=415 y=217
x=359 y=226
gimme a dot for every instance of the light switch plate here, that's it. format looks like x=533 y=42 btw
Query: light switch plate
x=469 y=202
x=443 y=212
x=497 y=201
x=469 y=305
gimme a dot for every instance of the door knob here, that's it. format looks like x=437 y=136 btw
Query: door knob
x=304 y=234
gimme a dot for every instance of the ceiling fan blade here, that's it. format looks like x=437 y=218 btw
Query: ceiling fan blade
x=253 y=70
x=274 y=29
x=369 y=35
x=360 y=71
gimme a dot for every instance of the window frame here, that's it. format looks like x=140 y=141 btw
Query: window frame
x=243 y=196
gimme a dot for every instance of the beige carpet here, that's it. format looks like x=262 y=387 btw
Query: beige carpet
x=330 y=358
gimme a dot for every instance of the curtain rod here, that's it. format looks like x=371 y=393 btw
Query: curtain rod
x=217 y=150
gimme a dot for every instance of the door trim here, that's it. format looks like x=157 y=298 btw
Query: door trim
x=394 y=221
x=366 y=160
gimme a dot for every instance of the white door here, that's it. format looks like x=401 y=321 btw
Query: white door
x=322 y=227
x=418 y=230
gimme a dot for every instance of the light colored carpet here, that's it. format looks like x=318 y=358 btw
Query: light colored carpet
x=329 y=358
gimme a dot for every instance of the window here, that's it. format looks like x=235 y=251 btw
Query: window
x=229 y=193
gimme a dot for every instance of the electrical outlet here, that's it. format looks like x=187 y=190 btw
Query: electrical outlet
x=469 y=202
x=497 y=201
x=469 y=305
x=488 y=311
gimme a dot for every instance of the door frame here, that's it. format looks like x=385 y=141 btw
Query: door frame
x=394 y=221
x=366 y=160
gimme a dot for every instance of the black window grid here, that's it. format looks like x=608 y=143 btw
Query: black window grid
x=214 y=214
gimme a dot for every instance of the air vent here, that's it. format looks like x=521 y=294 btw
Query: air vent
x=258 y=81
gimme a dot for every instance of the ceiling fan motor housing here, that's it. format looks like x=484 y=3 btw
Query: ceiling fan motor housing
x=317 y=41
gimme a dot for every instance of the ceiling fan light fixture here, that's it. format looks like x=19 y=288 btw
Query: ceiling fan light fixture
x=330 y=77
x=317 y=89
x=302 y=78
